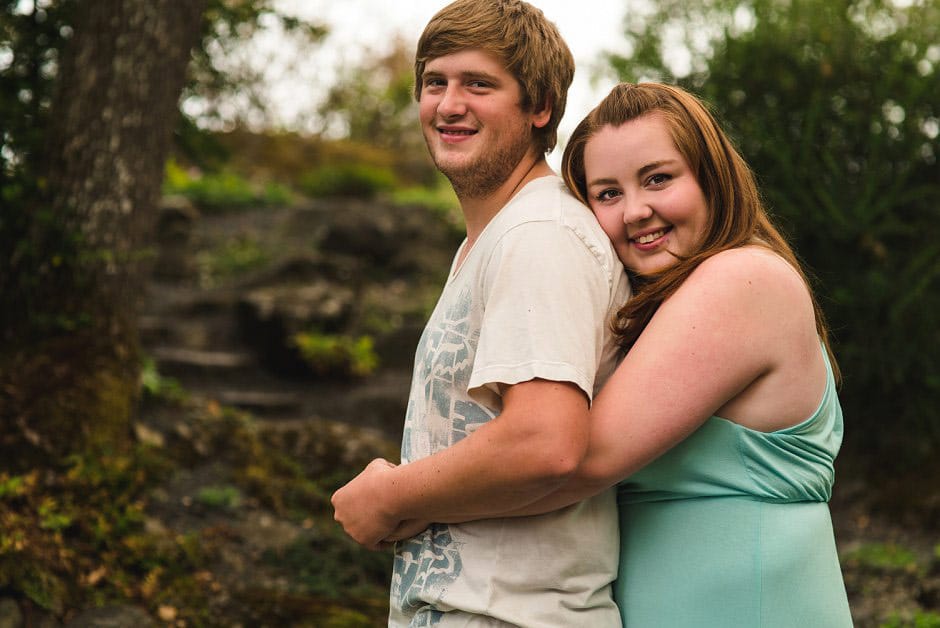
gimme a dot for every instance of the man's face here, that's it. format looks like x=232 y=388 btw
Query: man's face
x=473 y=122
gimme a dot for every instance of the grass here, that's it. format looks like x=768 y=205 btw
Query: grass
x=920 y=619
x=886 y=556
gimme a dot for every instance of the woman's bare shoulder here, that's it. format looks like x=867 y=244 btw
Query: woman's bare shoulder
x=749 y=267
x=750 y=285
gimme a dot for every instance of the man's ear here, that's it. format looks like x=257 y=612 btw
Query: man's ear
x=542 y=115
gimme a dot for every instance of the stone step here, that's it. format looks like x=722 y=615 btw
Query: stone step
x=200 y=334
x=182 y=362
x=263 y=403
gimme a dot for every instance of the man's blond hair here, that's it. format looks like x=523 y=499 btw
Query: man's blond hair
x=528 y=44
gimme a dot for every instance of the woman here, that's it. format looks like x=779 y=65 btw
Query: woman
x=722 y=423
x=723 y=416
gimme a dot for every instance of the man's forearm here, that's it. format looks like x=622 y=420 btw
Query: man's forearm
x=520 y=456
x=523 y=455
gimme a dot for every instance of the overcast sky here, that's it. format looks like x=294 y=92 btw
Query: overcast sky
x=358 y=27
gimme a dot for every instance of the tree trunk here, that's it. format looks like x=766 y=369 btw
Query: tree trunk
x=109 y=133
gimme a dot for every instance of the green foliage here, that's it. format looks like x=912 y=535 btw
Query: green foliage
x=888 y=556
x=32 y=36
x=11 y=486
x=159 y=386
x=222 y=190
x=373 y=104
x=60 y=525
x=920 y=619
x=351 y=180
x=40 y=250
x=217 y=78
x=331 y=564
x=222 y=497
x=337 y=354
x=83 y=534
x=835 y=106
x=237 y=255
x=439 y=199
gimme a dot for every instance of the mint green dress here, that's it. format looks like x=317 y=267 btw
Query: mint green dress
x=731 y=529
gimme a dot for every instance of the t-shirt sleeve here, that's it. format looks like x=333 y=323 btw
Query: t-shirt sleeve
x=547 y=299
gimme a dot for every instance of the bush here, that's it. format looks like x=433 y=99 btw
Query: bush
x=336 y=354
x=233 y=257
x=440 y=200
x=348 y=181
x=222 y=190
x=839 y=118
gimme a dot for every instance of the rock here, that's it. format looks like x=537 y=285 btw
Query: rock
x=369 y=235
x=297 y=268
x=177 y=360
x=173 y=232
x=117 y=616
x=176 y=220
x=261 y=402
x=10 y=614
x=388 y=238
x=269 y=317
x=262 y=531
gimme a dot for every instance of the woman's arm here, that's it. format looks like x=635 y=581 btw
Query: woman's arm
x=730 y=326
x=525 y=453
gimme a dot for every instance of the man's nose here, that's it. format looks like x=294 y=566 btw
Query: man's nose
x=453 y=102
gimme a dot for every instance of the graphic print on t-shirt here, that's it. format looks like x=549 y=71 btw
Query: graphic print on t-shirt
x=440 y=413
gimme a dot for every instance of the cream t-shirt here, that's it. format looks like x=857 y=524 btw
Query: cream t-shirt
x=532 y=299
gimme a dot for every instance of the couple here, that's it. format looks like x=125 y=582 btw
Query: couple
x=719 y=425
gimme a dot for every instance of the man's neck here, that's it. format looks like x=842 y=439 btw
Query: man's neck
x=478 y=211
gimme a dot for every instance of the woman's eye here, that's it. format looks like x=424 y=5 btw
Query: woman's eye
x=658 y=179
x=606 y=195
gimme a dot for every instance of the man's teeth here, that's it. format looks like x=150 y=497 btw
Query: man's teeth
x=649 y=237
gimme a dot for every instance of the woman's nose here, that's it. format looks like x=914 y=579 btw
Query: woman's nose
x=635 y=210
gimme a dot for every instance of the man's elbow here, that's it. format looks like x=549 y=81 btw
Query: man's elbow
x=560 y=460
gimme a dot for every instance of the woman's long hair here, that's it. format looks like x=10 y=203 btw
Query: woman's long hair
x=736 y=214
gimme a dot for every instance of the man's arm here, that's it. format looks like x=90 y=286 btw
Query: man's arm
x=525 y=453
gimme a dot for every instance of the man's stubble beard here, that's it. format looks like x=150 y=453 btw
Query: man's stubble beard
x=488 y=172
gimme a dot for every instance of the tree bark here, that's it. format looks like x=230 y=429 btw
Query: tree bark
x=110 y=128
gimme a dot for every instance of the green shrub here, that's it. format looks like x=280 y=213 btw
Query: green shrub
x=336 y=354
x=921 y=619
x=222 y=190
x=888 y=556
x=221 y=497
x=235 y=256
x=159 y=386
x=348 y=181
x=440 y=200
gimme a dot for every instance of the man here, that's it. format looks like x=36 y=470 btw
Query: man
x=505 y=370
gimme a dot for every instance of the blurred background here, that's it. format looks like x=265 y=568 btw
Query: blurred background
x=220 y=237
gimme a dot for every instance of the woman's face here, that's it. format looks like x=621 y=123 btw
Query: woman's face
x=643 y=193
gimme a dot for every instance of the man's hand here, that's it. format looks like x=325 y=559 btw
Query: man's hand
x=359 y=506
x=407 y=529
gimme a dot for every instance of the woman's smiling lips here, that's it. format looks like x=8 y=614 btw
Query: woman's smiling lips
x=650 y=238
